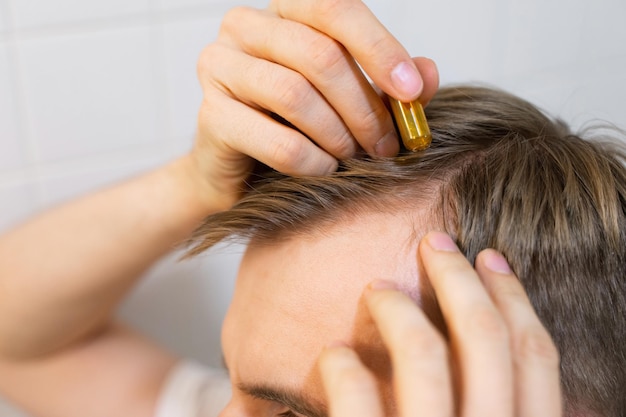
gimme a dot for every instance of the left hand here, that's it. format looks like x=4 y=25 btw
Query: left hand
x=498 y=359
x=298 y=59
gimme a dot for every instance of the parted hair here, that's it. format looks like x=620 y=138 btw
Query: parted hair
x=500 y=174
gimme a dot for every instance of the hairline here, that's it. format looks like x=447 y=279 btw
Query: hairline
x=429 y=199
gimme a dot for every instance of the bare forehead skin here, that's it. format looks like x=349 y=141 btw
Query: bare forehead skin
x=294 y=298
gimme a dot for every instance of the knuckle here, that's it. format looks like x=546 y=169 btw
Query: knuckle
x=385 y=303
x=485 y=323
x=410 y=337
x=204 y=115
x=210 y=117
x=331 y=8
x=327 y=55
x=232 y=21
x=419 y=346
x=382 y=48
x=287 y=153
x=210 y=103
x=512 y=291
x=352 y=379
x=293 y=93
x=209 y=56
x=373 y=121
x=344 y=147
x=537 y=345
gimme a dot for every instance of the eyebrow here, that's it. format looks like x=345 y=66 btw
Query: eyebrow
x=301 y=404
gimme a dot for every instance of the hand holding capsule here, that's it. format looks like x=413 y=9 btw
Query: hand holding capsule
x=297 y=59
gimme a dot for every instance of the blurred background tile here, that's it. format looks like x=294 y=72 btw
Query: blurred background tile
x=62 y=184
x=4 y=16
x=10 y=150
x=536 y=36
x=585 y=94
x=181 y=4
x=604 y=30
x=178 y=4
x=183 y=41
x=458 y=35
x=17 y=202
x=31 y=13
x=89 y=93
x=181 y=304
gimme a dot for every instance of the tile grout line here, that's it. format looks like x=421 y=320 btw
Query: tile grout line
x=159 y=78
x=28 y=147
x=166 y=146
x=75 y=166
x=156 y=14
x=3 y=20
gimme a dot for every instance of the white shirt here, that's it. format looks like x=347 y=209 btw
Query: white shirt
x=193 y=390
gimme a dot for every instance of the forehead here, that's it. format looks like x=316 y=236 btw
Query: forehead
x=294 y=298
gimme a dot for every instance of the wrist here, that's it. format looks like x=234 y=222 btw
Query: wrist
x=204 y=191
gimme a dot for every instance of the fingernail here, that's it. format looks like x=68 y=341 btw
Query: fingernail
x=406 y=79
x=441 y=242
x=382 y=284
x=388 y=145
x=496 y=262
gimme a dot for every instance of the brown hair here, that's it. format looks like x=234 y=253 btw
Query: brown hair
x=504 y=176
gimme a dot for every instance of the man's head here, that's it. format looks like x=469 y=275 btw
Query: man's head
x=499 y=174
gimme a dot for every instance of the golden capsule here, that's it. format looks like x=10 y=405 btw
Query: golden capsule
x=412 y=124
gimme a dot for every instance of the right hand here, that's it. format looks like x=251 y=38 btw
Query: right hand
x=497 y=358
x=297 y=59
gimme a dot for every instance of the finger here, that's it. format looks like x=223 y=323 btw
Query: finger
x=428 y=69
x=251 y=132
x=477 y=331
x=352 y=24
x=272 y=87
x=430 y=74
x=326 y=64
x=419 y=355
x=350 y=388
x=535 y=357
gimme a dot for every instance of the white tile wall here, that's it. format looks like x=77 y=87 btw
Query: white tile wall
x=183 y=40
x=597 y=97
x=105 y=89
x=182 y=4
x=76 y=180
x=556 y=55
x=452 y=33
x=30 y=13
x=553 y=41
x=89 y=93
x=178 y=4
x=17 y=202
x=609 y=32
x=179 y=305
x=3 y=16
x=11 y=156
